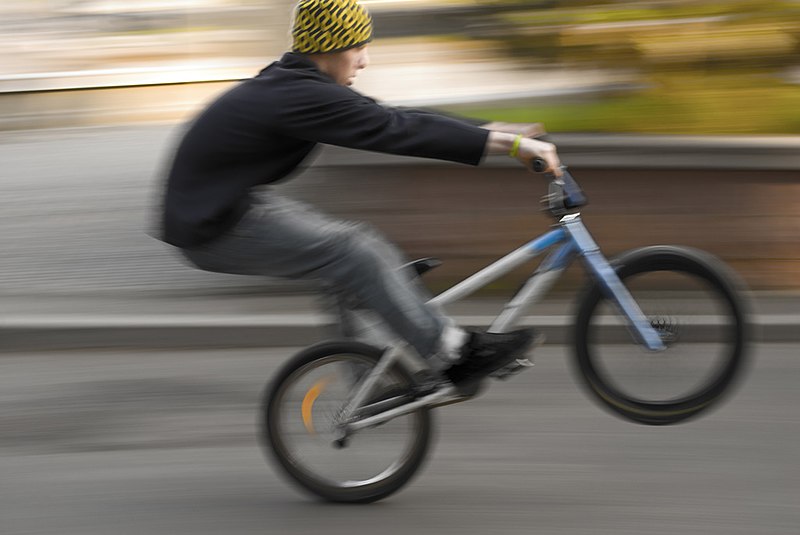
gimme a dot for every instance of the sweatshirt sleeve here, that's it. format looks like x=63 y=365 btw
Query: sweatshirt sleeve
x=461 y=118
x=337 y=115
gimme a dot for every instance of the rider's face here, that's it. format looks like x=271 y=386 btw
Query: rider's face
x=344 y=66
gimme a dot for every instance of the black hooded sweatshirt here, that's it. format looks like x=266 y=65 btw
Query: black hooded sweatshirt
x=260 y=131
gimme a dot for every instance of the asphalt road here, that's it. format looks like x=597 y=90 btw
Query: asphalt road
x=165 y=443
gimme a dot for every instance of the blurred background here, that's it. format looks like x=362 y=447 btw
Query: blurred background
x=660 y=66
x=679 y=118
x=638 y=87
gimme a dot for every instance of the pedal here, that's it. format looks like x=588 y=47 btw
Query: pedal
x=520 y=364
x=512 y=369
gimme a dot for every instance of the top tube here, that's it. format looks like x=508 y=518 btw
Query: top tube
x=545 y=241
x=500 y=267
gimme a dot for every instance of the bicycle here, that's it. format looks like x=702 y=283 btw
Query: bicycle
x=331 y=403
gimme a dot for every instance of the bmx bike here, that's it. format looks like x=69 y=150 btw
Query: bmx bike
x=659 y=336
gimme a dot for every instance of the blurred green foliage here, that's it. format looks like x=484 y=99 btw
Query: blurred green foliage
x=753 y=109
x=706 y=66
x=697 y=34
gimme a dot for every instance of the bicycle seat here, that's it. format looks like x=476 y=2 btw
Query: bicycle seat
x=422 y=265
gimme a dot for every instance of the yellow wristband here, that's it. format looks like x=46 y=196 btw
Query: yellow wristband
x=515 y=147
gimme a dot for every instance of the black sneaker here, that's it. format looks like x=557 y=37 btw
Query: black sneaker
x=485 y=353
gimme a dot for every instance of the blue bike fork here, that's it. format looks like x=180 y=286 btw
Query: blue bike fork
x=611 y=283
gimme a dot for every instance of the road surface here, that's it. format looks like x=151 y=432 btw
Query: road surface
x=99 y=443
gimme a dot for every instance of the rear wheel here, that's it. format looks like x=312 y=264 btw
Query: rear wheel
x=691 y=300
x=303 y=433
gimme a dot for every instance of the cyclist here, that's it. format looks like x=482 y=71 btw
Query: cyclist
x=261 y=130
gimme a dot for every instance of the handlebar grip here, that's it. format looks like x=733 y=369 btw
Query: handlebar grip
x=538 y=165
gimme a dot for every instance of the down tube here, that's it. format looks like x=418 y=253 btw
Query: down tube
x=500 y=267
x=535 y=287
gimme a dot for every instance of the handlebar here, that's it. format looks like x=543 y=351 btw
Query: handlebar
x=564 y=193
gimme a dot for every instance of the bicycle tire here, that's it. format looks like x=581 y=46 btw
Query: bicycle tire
x=276 y=442
x=733 y=319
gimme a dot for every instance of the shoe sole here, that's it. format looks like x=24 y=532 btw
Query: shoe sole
x=520 y=363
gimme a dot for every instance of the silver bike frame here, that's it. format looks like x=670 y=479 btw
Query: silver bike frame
x=575 y=240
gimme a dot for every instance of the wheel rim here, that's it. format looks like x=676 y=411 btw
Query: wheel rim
x=304 y=431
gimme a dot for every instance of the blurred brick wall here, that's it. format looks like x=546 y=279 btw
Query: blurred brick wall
x=470 y=216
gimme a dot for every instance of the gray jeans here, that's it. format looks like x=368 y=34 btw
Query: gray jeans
x=280 y=237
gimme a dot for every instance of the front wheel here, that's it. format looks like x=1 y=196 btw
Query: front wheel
x=692 y=301
x=303 y=431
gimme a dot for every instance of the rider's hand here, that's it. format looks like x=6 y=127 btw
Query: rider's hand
x=524 y=149
x=531 y=149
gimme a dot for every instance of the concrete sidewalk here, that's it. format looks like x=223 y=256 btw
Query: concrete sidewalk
x=141 y=321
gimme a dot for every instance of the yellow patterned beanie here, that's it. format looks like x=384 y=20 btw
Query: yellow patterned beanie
x=330 y=25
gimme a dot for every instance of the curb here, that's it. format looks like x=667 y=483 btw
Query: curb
x=193 y=332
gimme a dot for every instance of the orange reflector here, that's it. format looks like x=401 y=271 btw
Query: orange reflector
x=308 y=402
